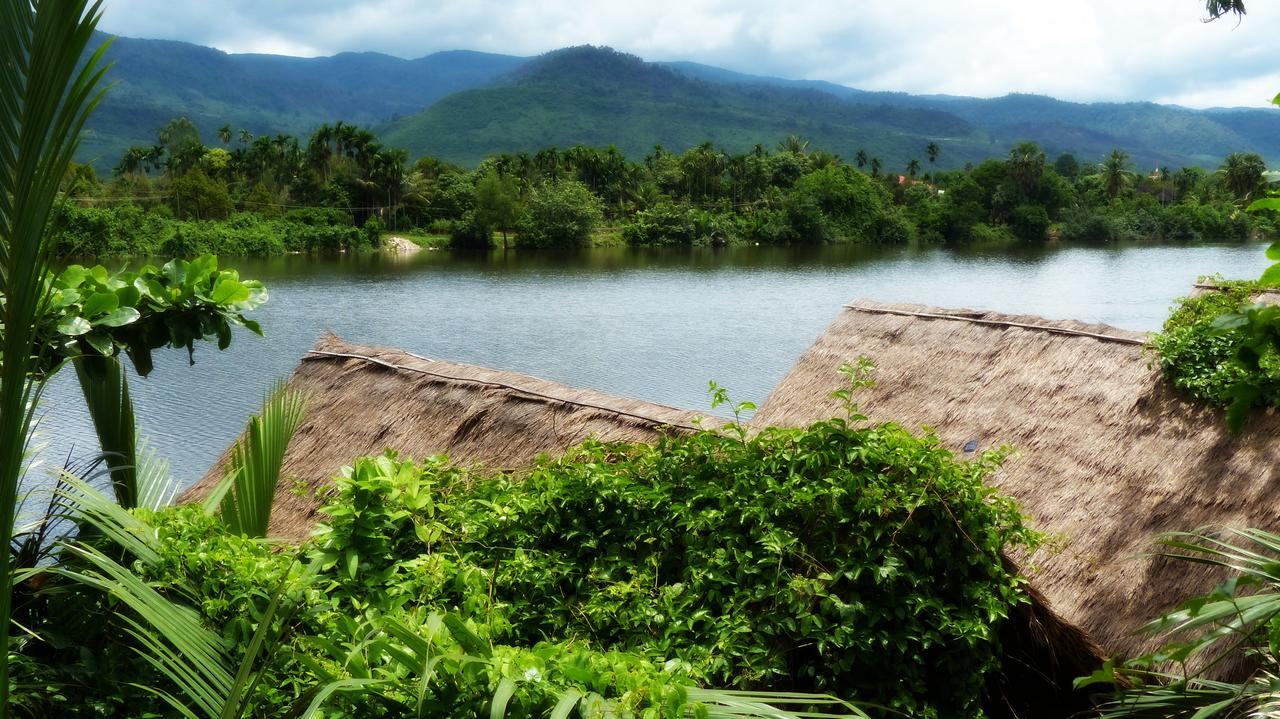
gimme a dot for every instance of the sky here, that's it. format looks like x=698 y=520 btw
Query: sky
x=1086 y=50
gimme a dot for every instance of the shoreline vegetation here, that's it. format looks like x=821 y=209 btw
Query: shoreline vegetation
x=341 y=189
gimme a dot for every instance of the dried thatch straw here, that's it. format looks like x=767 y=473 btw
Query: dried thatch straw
x=364 y=400
x=1266 y=296
x=1109 y=455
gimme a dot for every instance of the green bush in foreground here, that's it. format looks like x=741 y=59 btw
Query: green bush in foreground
x=859 y=561
x=1200 y=359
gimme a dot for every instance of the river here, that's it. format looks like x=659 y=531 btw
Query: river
x=651 y=324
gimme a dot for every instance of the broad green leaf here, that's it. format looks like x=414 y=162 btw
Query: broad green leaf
x=229 y=291
x=1271 y=276
x=1265 y=203
x=73 y=276
x=119 y=318
x=129 y=295
x=74 y=326
x=100 y=303
x=100 y=342
x=498 y=707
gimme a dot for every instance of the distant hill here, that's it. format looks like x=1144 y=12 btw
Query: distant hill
x=598 y=96
x=157 y=80
x=463 y=105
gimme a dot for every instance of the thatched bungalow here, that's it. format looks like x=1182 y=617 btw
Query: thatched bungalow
x=364 y=400
x=1108 y=454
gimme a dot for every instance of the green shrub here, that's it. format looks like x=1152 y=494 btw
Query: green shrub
x=851 y=205
x=861 y=561
x=197 y=196
x=1084 y=225
x=560 y=213
x=468 y=234
x=1200 y=360
x=990 y=235
x=372 y=231
x=1030 y=222
x=667 y=223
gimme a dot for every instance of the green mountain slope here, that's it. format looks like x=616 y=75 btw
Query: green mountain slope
x=463 y=105
x=157 y=80
x=598 y=96
x=1154 y=134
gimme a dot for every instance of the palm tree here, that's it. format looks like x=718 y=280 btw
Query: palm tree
x=875 y=167
x=224 y=134
x=913 y=167
x=1026 y=165
x=245 y=136
x=861 y=158
x=794 y=144
x=1242 y=174
x=1115 y=172
x=45 y=97
x=932 y=151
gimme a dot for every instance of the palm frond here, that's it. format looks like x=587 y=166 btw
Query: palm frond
x=45 y=97
x=211 y=681
x=256 y=461
x=106 y=394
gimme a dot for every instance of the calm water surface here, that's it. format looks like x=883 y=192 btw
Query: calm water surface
x=655 y=325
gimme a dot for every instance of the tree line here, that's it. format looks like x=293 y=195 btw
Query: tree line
x=342 y=176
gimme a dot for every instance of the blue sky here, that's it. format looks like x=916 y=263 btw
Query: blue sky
x=1073 y=49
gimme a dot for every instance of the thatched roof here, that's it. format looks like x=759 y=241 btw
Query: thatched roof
x=364 y=400
x=1266 y=296
x=1109 y=455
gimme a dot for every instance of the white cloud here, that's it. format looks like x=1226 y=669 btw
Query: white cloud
x=1074 y=49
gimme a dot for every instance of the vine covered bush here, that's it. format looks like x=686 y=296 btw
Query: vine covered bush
x=861 y=561
x=1200 y=357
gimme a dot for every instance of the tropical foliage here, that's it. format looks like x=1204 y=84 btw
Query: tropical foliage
x=46 y=94
x=622 y=571
x=1199 y=351
x=1233 y=628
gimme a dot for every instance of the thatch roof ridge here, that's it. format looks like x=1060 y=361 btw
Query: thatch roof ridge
x=1265 y=295
x=1097 y=331
x=1109 y=454
x=545 y=390
x=366 y=400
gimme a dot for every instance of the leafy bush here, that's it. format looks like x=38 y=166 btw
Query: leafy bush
x=560 y=213
x=197 y=196
x=128 y=230
x=467 y=233
x=990 y=235
x=826 y=558
x=1201 y=360
x=1084 y=225
x=1030 y=222
x=672 y=224
x=851 y=205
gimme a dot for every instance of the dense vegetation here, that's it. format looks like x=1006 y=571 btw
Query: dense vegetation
x=761 y=563
x=341 y=187
x=1198 y=354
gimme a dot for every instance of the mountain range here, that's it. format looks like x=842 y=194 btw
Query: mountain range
x=463 y=105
